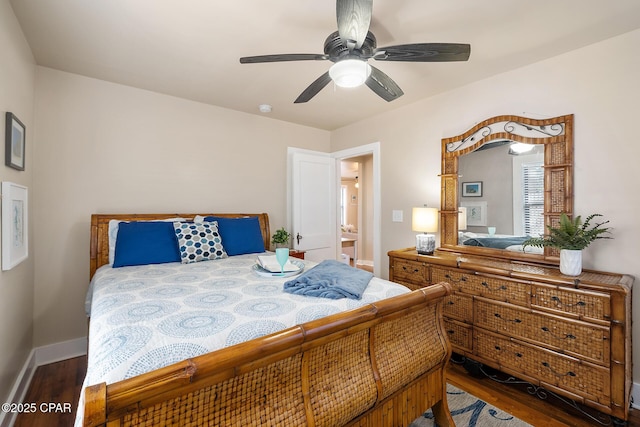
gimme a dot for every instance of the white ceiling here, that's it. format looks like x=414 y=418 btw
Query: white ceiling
x=190 y=48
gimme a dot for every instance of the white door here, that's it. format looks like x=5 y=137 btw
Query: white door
x=313 y=203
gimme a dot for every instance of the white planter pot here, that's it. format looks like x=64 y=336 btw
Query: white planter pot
x=570 y=262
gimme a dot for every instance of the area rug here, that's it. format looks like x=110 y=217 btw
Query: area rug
x=469 y=411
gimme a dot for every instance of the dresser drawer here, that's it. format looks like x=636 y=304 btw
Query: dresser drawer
x=576 y=376
x=580 y=304
x=459 y=307
x=568 y=336
x=412 y=271
x=459 y=334
x=487 y=286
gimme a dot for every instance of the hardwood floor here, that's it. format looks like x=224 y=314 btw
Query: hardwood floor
x=519 y=403
x=61 y=383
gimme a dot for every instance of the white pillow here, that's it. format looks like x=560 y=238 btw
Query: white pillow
x=113 y=233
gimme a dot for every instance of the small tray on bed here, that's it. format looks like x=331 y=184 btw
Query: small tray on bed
x=266 y=273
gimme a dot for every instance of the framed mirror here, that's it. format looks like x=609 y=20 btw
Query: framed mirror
x=503 y=180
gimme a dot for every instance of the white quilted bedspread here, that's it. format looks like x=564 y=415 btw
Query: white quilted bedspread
x=147 y=317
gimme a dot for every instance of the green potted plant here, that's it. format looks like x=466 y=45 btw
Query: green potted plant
x=281 y=238
x=571 y=236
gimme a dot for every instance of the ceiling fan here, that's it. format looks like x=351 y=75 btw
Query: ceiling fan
x=351 y=47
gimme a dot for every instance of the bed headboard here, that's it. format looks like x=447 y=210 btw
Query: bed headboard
x=99 y=246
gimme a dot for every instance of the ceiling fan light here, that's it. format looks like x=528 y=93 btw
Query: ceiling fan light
x=350 y=72
x=520 y=148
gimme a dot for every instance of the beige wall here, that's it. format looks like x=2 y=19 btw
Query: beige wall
x=599 y=84
x=17 y=76
x=106 y=148
x=365 y=245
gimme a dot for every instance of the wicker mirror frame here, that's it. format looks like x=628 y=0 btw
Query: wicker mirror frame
x=557 y=136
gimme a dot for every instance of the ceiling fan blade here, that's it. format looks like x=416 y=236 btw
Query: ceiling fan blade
x=313 y=89
x=354 y=19
x=424 y=52
x=383 y=86
x=283 y=57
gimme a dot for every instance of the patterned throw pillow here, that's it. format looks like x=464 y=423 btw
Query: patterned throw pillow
x=199 y=241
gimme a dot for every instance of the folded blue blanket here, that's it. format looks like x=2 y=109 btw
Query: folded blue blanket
x=330 y=279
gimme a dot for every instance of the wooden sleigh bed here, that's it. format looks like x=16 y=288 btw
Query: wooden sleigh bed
x=382 y=364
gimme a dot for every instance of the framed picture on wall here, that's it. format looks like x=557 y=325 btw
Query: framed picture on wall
x=14 y=142
x=476 y=213
x=15 y=233
x=472 y=189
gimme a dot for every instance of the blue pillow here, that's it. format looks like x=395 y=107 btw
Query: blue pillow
x=239 y=235
x=145 y=242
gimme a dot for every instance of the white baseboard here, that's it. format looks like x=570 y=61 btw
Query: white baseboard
x=19 y=389
x=37 y=357
x=61 y=351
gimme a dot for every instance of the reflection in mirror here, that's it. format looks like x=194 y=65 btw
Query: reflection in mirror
x=512 y=183
x=513 y=176
x=512 y=193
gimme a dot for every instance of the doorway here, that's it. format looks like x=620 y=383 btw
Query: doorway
x=358 y=228
x=355 y=221
x=314 y=197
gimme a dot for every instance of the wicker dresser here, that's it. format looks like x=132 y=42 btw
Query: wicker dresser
x=569 y=335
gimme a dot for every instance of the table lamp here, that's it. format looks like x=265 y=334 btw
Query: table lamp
x=425 y=220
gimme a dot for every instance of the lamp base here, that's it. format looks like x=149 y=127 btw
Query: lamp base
x=425 y=244
x=425 y=253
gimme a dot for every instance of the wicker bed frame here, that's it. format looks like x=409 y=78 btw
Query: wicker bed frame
x=380 y=365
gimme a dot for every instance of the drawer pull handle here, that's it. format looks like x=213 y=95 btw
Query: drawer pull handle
x=557 y=374
x=450 y=302
x=559 y=337
x=498 y=348
x=499 y=288
x=518 y=354
x=506 y=320
x=462 y=278
x=415 y=270
x=451 y=332
x=558 y=302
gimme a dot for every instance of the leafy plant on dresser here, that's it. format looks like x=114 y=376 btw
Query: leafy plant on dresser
x=571 y=234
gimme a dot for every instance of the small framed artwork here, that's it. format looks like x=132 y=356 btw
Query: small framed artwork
x=476 y=213
x=472 y=189
x=15 y=233
x=14 y=142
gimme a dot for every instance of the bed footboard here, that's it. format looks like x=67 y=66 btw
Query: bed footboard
x=380 y=365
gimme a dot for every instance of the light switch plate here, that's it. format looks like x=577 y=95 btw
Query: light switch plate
x=397 y=216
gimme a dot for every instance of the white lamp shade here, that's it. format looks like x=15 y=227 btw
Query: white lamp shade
x=462 y=218
x=424 y=220
x=350 y=72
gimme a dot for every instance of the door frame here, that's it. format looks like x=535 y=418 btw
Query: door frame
x=372 y=149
